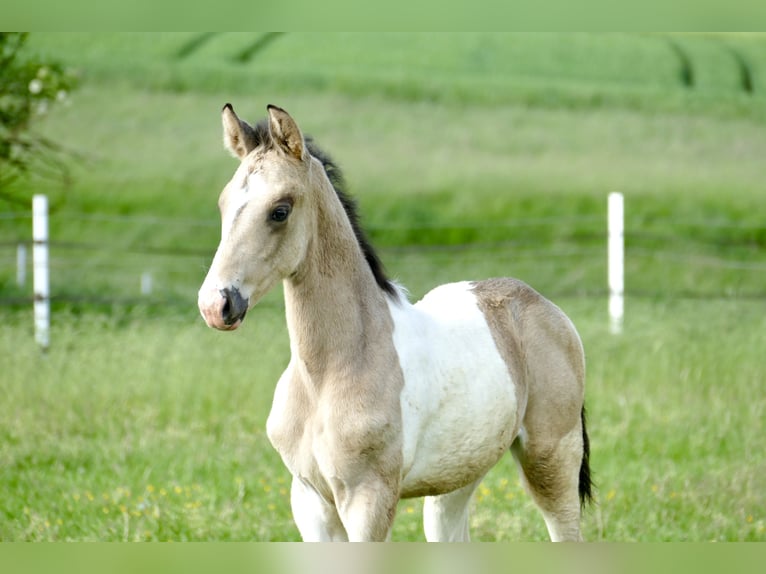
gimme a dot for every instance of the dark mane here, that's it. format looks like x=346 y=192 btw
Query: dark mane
x=349 y=204
x=334 y=174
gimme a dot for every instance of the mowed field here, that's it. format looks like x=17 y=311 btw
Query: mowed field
x=471 y=156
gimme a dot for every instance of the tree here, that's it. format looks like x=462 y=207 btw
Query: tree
x=29 y=86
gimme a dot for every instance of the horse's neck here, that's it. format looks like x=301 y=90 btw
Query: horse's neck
x=335 y=310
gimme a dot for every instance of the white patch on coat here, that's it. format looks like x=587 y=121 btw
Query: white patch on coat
x=459 y=407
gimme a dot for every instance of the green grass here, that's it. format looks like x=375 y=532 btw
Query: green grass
x=471 y=156
x=134 y=428
x=89 y=437
x=551 y=70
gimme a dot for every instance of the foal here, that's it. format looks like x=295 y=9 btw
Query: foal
x=383 y=399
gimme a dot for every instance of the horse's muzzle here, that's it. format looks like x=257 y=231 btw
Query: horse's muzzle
x=235 y=307
x=223 y=309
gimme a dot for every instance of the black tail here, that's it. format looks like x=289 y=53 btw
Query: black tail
x=586 y=484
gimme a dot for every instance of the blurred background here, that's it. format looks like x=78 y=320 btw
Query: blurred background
x=471 y=155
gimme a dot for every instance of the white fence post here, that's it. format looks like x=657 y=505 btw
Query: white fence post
x=41 y=270
x=21 y=264
x=146 y=283
x=616 y=260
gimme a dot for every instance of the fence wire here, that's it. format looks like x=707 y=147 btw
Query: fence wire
x=658 y=264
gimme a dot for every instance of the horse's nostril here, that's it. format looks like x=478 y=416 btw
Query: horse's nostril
x=234 y=307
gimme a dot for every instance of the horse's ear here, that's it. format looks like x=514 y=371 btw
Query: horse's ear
x=238 y=137
x=285 y=132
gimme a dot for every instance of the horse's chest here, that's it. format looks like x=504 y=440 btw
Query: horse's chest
x=294 y=440
x=329 y=437
x=301 y=428
x=290 y=423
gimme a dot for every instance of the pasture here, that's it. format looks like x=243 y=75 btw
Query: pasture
x=471 y=156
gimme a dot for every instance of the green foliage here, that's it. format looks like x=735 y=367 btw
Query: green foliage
x=29 y=86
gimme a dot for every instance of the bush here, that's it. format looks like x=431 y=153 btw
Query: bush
x=29 y=86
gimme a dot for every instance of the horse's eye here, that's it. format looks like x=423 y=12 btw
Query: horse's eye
x=280 y=213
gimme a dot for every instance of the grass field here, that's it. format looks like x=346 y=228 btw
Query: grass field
x=471 y=156
x=154 y=430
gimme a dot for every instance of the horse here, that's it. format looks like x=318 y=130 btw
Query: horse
x=383 y=399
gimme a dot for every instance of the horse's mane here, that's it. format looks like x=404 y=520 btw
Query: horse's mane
x=338 y=182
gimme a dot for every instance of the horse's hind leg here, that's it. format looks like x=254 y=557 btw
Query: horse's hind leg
x=445 y=517
x=551 y=445
x=551 y=472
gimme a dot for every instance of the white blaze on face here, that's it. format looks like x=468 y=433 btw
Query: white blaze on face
x=235 y=202
x=232 y=203
x=244 y=187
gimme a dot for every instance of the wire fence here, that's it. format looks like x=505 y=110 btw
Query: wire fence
x=156 y=260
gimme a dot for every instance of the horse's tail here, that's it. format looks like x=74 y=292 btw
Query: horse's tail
x=586 y=483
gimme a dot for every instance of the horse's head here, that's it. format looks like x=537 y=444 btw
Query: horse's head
x=265 y=223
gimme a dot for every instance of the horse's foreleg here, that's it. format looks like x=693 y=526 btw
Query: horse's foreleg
x=367 y=508
x=316 y=519
x=445 y=517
